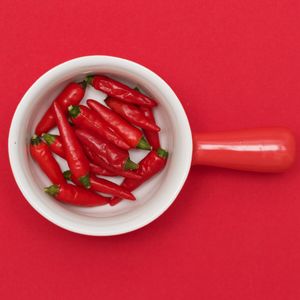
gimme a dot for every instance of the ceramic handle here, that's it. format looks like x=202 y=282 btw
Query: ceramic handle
x=259 y=150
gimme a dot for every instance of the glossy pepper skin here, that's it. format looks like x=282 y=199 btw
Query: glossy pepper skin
x=71 y=95
x=41 y=153
x=110 y=154
x=132 y=114
x=75 y=195
x=75 y=157
x=97 y=170
x=153 y=163
x=104 y=186
x=119 y=90
x=98 y=161
x=152 y=136
x=55 y=144
x=131 y=135
x=85 y=118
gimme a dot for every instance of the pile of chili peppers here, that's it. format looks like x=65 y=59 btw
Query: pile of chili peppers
x=94 y=140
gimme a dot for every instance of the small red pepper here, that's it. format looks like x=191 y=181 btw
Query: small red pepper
x=97 y=170
x=111 y=154
x=104 y=186
x=152 y=136
x=97 y=160
x=71 y=95
x=85 y=118
x=131 y=135
x=74 y=154
x=119 y=90
x=55 y=144
x=132 y=114
x=41 y=153
x=75 y=195
x=154 y=162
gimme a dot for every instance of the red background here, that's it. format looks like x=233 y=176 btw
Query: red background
x=229 y=235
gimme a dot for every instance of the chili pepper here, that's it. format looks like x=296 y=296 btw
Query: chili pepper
x=112 y=155
x=74 y=154
x=55 y=144
x=119 y=90
x=104 y=186
x=85 y=118
x=131 y=113
x=131 y=135
x=97 y=170
x=152 y=136
x=97 y=160
x=154 y=162
x=41 y=153
x=75 y=195
x=71 y=95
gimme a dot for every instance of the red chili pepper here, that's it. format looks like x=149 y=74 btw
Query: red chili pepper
x=154 y=162
x=85 y=118
x=97 y=160
x=74 y=154
x=41 y=153
x=152 y=136
x=131 y=135
x=71 y=95
x=111 y=154
x=55 y=144
x=104 y=186
x=75 y=195
x=100 y=171
x=131 y=113
x=119 y=90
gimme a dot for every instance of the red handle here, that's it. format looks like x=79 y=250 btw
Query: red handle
x=259 y=150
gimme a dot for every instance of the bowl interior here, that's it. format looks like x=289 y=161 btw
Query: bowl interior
x=154 y=196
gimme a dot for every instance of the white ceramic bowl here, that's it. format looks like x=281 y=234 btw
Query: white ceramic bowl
x=154 y=197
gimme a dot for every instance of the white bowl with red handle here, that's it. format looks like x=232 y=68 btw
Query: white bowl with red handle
x=260 y=150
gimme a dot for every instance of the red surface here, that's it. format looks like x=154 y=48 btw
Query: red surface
x=229 y=235
x=260 y=150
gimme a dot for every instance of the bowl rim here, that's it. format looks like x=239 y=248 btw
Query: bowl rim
x=25 y=189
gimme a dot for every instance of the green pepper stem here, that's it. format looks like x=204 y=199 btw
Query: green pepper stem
x=130 y=165
x=35 y=140
x=74 y=111
x=83 y=84
x=85 y=181
x=143 y=144
x=52 y=190
x=67 y=174
x=162 y=153
x=49 y=138
x=89 y=79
